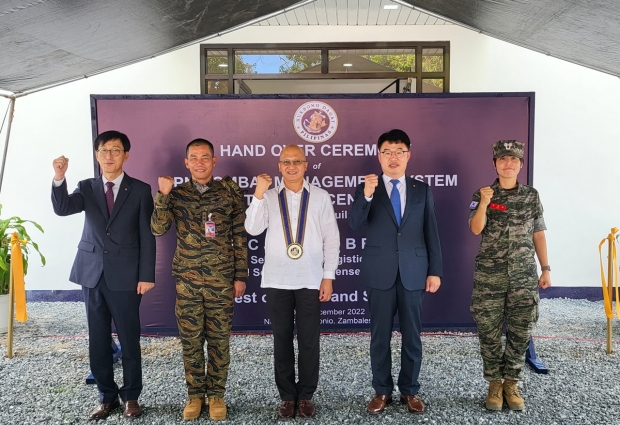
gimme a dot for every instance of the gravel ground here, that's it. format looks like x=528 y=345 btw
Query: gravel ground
x=44 y=382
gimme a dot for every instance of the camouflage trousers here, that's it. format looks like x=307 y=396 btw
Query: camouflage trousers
x=498 y=300
x=204 y=309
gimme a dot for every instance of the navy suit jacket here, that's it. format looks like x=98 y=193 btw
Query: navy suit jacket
x=119 y=245
x=413 y=248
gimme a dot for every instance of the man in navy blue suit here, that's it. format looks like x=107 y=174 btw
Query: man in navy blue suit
x=115 y=265
x=401 y=261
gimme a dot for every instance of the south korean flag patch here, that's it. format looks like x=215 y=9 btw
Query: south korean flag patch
x=473 y=205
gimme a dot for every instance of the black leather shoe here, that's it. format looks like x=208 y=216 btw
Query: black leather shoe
x=103 y=410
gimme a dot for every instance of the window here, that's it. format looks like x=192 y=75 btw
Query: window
x=399 y=67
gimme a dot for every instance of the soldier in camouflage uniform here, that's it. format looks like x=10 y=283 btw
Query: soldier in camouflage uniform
x=210 y=267
x=510 y=217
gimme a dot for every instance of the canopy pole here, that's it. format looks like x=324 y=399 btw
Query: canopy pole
x=6 y=141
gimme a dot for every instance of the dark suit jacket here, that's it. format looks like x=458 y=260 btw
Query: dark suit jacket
x=120 y=245
x=413 y=248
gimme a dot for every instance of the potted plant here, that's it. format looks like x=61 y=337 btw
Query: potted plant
x=7 y=228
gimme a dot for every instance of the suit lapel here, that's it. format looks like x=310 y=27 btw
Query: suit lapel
x=100 y=196
x=121 y=197
x=412 y=190
x=384 y=198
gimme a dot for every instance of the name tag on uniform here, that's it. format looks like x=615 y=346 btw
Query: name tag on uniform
x=498 y=207
x=209 y=228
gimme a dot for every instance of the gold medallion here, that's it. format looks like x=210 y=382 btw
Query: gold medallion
x=294 y=251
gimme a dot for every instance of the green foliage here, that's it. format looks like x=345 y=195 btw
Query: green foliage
x=298 y=63
x=7 y=227
x=432 y=63
x=399 y=63
x=213 y=66
x=437 y=82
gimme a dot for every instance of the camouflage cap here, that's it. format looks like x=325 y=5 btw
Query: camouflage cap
x=508 y=148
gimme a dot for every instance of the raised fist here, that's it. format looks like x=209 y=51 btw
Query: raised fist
x=486 y=193
x=371 y=182
x=60 y=167
x=263 y=181
x=165 y=184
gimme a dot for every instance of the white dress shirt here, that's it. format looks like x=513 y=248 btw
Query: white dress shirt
x=321 y=244
x=401 y=190
x=117 y=183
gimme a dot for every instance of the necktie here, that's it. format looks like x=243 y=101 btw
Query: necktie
x=395 y=199
x=109 y=197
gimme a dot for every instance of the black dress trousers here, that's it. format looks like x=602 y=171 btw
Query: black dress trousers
x=103 y=306
x=288 y=308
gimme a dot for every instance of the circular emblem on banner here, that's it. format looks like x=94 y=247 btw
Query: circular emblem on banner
x=315 y=121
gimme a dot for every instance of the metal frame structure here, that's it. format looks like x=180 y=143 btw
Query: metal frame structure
x=418 y=46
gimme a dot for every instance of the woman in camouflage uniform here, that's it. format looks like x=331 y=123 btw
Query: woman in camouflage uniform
x=510 y=217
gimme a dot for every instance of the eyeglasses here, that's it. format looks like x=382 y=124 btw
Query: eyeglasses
x=397 y=153
x=295 y=162
x=104 y=152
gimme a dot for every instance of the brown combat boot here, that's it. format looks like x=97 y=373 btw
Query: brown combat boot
x=217 y=408
x=512 y=396
x=193 y=408
x=494 y=400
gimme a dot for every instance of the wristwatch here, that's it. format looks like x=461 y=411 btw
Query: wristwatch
x=547 y=268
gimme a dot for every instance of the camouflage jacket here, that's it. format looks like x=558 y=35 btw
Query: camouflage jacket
x=508 y=232
x=225 y=255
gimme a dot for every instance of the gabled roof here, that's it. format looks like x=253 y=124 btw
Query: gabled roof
x=586 y=32
x=45 y=42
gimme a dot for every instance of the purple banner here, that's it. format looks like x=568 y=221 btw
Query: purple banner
x=451 y=138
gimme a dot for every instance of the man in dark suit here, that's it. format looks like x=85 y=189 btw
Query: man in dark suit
x=115 y=265
x=401 y=261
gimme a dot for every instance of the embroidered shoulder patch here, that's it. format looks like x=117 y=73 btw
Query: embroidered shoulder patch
x=473 y=205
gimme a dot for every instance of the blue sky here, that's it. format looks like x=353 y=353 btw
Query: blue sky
x=264 y=64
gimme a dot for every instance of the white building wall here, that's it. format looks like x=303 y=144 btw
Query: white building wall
x=577 y=140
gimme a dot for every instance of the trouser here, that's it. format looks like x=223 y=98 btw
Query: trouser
x=204 y=313
x=287 y=308
x=103 y=306
x=383 y=306
x=497 y=301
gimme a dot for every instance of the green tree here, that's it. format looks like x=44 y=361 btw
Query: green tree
x=432 y=63
x=214 y=62
x=399 y=63
x=297 y=63
x=213 y=67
